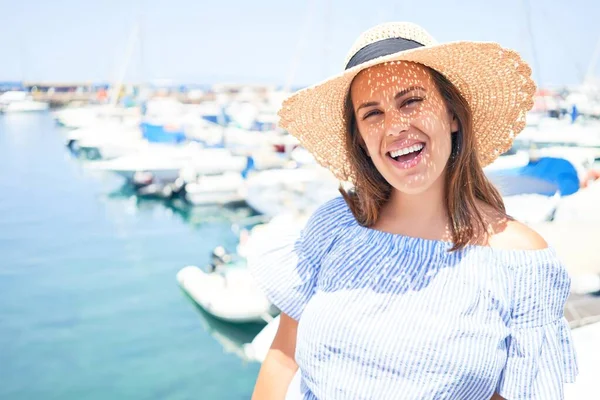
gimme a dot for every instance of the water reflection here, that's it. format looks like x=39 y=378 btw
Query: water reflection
x=231 y=336
x=196 y=216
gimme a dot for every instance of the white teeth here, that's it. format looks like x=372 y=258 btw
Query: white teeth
x=406 y=150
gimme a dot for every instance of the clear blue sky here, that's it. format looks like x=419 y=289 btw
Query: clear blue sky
x=202 y=41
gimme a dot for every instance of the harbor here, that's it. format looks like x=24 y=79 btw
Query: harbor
x=136 y=221
x=143 y=160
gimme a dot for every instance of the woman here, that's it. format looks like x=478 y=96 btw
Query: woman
x=414 y=284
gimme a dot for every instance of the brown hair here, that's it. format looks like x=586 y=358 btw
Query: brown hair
x=465 y=180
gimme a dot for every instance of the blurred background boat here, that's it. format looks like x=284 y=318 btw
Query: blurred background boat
x=20 y=101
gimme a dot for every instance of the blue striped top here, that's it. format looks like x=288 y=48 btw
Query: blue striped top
x=387 y=316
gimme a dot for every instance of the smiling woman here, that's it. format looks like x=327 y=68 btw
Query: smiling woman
x=415 y=284
x=410 y=129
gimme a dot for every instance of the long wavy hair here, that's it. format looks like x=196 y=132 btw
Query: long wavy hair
x=465 y=181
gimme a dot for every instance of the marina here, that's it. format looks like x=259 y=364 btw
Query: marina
x=143 y=162
x=171 y=212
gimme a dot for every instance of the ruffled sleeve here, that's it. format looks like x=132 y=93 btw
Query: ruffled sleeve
x=285 y=262
x=541 y=356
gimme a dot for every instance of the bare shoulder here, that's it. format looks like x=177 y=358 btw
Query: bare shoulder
x=517 y=236
x=508 y=234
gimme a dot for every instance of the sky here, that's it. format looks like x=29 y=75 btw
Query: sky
x=282 y=42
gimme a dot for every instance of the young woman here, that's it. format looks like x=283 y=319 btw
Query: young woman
x=415 y=284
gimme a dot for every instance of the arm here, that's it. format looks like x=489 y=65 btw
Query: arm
x=279 y=366
x=285 y=265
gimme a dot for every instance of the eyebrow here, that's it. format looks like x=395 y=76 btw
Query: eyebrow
x=408 y=90
x=397 y=96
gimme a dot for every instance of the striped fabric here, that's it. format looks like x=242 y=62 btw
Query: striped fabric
x=385 y=316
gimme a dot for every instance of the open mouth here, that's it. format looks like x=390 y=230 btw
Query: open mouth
x=408 y=154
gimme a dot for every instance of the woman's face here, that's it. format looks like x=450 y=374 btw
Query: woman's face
x=404 y=124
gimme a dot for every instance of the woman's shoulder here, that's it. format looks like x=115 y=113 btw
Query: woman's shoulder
x=527 y=254
x=514 y=235
x=521 y=248
x=505 y=233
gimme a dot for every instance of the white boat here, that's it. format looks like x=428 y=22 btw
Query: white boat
x=90 y=116
x=165 y=162
x=580 y=157
x=533 y=199
x=277 y=191
x=268 y=159
x=583 y=206
x=532 y=208
x=229 y=294
x=214 y=161
x=198 y=128
x=552 y=132
x=108 y=149
x=18 y=101
x=215 y=189
x=106 y=141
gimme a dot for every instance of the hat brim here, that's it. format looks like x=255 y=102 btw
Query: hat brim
x=495 y=81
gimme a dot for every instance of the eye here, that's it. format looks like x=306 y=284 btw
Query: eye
x=411 y=102
x=371 y=113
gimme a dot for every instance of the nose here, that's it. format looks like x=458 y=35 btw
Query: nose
x=396 y=123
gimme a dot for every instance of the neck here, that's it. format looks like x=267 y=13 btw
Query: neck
x=422 y=215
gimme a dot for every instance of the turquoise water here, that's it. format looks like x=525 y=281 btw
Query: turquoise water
x=89 y=304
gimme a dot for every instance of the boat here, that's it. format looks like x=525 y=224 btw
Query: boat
x=583 y=206
x=19 y=101
x=165 y=162
x=90 y=116
x=535 y=191
x=226 y=288
x=228 y=293
x=552 y=132
x=215 y=189
x=277 y=191
x=106 y=141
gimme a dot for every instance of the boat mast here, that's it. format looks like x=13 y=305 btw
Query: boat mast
x=593 y=63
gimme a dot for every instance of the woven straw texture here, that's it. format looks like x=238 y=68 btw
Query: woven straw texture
x=495 y=81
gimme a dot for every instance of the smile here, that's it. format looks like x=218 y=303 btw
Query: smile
x=407 y=157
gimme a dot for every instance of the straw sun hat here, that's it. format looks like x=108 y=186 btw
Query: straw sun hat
x=494 y=81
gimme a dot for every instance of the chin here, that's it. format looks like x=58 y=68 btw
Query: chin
x=417 y=182
x=412 y=186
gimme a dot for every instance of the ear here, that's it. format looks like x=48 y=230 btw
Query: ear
x=454 y=124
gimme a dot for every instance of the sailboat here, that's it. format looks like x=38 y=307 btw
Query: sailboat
x=20 y=101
